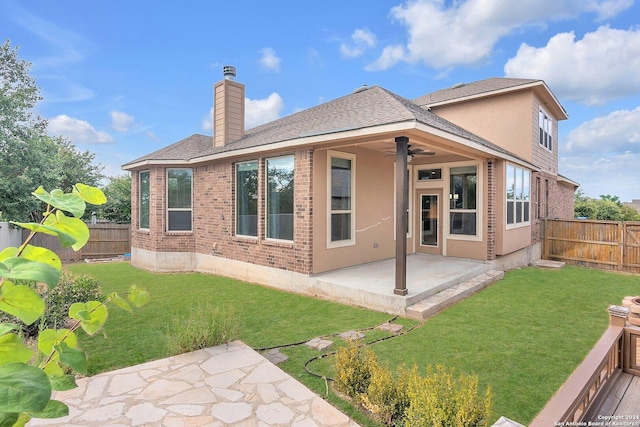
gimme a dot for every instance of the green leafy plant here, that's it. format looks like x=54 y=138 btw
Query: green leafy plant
x=441 y=399
x=353 y=369
x=70 y=289
x=203 y=327
x=25 y=390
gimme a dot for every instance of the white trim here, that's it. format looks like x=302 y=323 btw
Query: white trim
x=168 y=209
x=479 y=210
x=139 y=204
x=235 y=204
x=515 y=200
x=266 y=199
x=352 y=211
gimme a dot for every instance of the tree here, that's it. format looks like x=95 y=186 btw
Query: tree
x=118 y=206
x=607 y=207
x=28 y=156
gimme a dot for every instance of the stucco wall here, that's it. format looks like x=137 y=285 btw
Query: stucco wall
x=374 y=210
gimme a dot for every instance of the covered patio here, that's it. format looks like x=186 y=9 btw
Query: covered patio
x=372 y=285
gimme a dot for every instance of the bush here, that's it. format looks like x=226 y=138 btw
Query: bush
x=387 y=395
x=70 y=289
x=203 y=327
x=353 y=369
x=439 y=399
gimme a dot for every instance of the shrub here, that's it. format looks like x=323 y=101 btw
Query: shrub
x=387 y=396
x=353 y=369
x=70 y=289
x=439 y=399
x=203 y=327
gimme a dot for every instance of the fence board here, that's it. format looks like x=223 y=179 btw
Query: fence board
x=106 y=240
x=609 y=245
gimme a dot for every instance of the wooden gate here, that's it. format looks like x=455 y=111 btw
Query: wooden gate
x=631 y=247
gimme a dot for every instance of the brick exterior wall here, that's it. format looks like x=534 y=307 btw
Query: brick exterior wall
x=551 y=199
x=214 y=217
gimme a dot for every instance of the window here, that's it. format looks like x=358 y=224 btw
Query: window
x=341 y=204
x=144 y=194
x=179 y=199
x=247 y=199
x=518 y=195
x=429 y=174
x=280 y=198
x=546 y=130
x=462 y=200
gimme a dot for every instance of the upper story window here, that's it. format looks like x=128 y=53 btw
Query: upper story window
x=179 y=196
x=518 y=195
x=144 y=196
x=463 y=200
x=280 y=197
x=341 y=177
x=545 y=122
x=247 y=199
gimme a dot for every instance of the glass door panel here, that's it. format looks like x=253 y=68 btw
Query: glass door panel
x=429 y=220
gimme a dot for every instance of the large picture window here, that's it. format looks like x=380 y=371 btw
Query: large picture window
x=518 y=195
x=144 y=196
x=179 y=191
x=247 y=199
x=341 y=204
x=463 y=200
x=280 y=198
x=546 y=130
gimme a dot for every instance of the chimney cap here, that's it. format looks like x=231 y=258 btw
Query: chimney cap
x=229 y=72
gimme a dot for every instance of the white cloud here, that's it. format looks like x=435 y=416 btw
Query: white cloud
x=78 y=131
x=260 y=111
x=269 y=59
x=362 y=39
x=602 y=66
x=257 y=112
x=152 y=136
x=442 y=35
x=618 y=132
x=121 y=121
x=616 y=174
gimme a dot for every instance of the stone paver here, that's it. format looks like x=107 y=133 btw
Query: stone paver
x=319 y=344
x=227 y=385
x=390 y=327
x=351 y=335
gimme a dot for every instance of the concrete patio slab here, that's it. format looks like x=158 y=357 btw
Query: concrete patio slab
x=227 y=385
x=371 y=285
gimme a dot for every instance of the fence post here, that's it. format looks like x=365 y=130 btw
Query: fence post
x=621 y=237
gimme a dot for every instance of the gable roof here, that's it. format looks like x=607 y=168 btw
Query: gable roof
x=365 y=108
x=489 y=87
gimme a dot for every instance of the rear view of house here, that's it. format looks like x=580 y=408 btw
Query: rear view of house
x=326 y=188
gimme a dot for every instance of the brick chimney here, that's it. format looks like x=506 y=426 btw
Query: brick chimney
x=228 y=108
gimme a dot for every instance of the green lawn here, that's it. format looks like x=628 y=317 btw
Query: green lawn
x=522 y=336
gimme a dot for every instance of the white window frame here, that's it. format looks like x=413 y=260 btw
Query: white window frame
x=168 y=209
x=139 y=200
x=266 y=197
x=352 y=211
x=479 y=211
x=545 y=134
x=235 y=186
x=525 y=201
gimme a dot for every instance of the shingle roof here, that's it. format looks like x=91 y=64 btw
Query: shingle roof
x=463 y=90
x=365 y=108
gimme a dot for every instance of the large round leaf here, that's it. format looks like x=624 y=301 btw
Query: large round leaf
x=21 y=301
x=92 y=315
x=23 y=388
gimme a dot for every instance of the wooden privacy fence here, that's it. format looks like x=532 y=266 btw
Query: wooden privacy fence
x=609 y=245
x=106 y=240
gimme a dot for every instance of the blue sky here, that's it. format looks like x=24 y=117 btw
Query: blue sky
x=124 y=78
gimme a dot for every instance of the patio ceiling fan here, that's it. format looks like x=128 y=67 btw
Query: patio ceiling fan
x=414 y=152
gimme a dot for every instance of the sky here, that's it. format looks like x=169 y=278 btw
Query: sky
x=123 y=78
